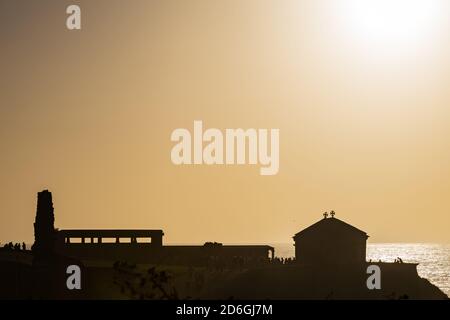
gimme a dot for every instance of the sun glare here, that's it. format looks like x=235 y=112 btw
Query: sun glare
x=392 y=26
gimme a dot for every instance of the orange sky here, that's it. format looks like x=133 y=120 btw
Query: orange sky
x=362 y=108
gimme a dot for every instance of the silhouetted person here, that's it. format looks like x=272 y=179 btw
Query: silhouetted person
x=24 y=246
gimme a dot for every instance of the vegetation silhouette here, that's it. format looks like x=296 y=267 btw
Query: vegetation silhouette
x=151 y=284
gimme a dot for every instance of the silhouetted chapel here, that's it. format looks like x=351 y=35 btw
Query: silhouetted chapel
x=330 y=241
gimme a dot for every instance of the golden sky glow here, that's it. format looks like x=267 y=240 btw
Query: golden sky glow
x=358 y=89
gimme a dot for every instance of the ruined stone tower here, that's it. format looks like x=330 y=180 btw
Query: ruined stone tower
x=44 y=230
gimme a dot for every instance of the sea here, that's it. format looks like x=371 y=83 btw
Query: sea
x=433 y=259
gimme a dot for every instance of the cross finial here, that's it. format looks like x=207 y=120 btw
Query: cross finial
x=325 y=215
x=332 y=213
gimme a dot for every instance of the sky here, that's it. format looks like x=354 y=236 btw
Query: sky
x=358 y=91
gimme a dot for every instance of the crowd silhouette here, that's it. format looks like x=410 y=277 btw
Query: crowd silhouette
x=242 y=262
x=14 y=247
